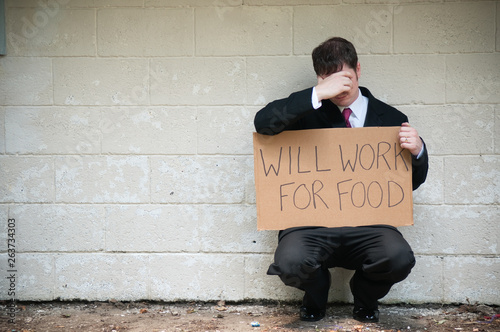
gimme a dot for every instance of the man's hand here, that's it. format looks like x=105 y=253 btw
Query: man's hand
x=409 y=139
x=334 y=84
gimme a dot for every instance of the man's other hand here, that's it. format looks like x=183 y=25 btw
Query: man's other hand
x=409 y=139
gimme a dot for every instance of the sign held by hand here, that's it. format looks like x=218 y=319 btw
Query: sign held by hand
x=332 y=177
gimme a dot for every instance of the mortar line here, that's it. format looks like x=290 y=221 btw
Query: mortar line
x=55 y=178
x=293 y=31
x=193 y=12
x=53 y=82
x=227 y=253
x=393 y=29
x=150 y=180
x=4 y=130
x=96 y=34
x=57 y=203
x=244 y=276
x=149 y=81
x=54 y=282
x=443 y=292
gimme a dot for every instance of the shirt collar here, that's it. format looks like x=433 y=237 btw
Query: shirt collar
x=358 y=107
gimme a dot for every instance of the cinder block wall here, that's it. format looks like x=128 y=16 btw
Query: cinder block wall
x=126 y=153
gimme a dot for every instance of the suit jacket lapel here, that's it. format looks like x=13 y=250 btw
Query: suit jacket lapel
x=373 y=114
x=335 y=118
x=372 y=117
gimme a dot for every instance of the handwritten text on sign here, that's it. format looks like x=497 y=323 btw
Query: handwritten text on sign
x=332 y=177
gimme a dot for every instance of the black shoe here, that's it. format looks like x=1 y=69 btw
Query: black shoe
x=365 y=315
x=309 y=315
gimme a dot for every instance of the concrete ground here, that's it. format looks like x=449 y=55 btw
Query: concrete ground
x=153 y=316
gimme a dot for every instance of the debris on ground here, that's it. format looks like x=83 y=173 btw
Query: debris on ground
x=116 y=316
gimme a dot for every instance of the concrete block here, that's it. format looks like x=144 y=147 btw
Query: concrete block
x=473 y=79
x=423 y=285
x=454 y=129
x=259 y=285
x=35 y=277
x=372 y=32
x=197 y=277
x=50 y=3
x=149 y=130
x=225 y=130
x=122 y=31
x=100 y=277
x=454 y=230
x=119 y=3
x=497 y=129
x=4 y=216
x=153 y=228
x=2 y=130
x=340 y=290
x=232 y=228
x=52 y=130
x=191 y=3
x=26 y=179
x=49 y=30
x=445 y=28
x=250 y=186
x=102 y=179
x=243 y=30
x=199 y=179
x=498 y=29
x=432 y=190
x=472 y=180
x=219 y=81
x=387 y=78
x=54 y=228
x=25 y=81
x=97 y=81
x=4 y=282
x=471 y=279
x=291 y=2
x=271 y=78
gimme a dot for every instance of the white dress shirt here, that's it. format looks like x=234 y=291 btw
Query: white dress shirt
x=359 y=108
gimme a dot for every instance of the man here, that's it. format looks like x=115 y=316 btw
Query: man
x=379 y=254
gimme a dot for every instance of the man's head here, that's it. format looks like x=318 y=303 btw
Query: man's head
x=330 y=56
x=337 y=55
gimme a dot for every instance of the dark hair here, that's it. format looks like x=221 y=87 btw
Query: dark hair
x=332 y=54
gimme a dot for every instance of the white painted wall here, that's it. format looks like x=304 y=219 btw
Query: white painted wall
x=126 y=153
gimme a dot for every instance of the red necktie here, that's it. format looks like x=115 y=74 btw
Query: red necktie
x=347 y=113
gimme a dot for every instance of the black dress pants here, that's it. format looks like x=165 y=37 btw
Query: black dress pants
x=379 y=254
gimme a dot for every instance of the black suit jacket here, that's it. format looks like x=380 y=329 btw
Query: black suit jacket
x=296 y=112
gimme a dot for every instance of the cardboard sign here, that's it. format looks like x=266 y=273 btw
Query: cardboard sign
x=332 y=177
